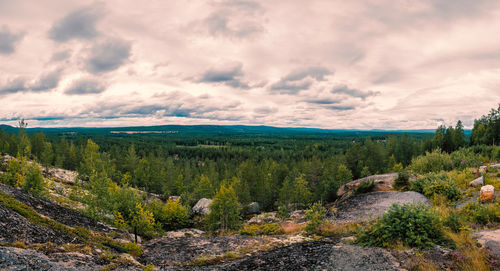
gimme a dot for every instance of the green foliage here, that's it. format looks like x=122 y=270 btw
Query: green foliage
x=487 y=129
x=33 y=181
x=412 y=225
x=295 y=192
x=434 y=161
x=315 y=215
x=263 y=229
x=436 y=184
x=224 y=214
x=482 y=213
x=171 y=215
x=402 y=182
x=465 y=158
x=143 y=221
x=15 y=172
x=204 y=188
x=454 y=221
x=364 y=187
x=133 y=249
x=283 y=212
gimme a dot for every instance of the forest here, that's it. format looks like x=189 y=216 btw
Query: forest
x=272 y=166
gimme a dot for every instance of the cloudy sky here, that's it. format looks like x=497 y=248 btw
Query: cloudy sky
x=364 y=64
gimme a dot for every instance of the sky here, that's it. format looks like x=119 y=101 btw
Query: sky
x=361 y=64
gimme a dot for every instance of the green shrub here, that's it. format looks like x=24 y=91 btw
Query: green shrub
x=283 y=212
x=172 y=215
x=364 y=187
x=264 y=229
x=436 y=184
x=455 y=222
x=272 y=229
x=482 y=213
x=315 y=214
x=251 y=230
x=434 y=161
x=465 y=158
x=412 y=225
x=133 y=249
x=402 y=181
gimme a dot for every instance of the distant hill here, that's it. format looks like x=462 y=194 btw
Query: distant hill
x=213 y=130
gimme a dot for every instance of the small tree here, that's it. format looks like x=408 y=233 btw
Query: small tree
x=143 y=222
x=47 y=155
x=34 y=182
x=224 y=213
x=315 y=214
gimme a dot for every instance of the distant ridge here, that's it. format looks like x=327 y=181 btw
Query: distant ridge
x=213 y=129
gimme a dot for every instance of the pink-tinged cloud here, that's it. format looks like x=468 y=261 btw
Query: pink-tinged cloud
x=333 y=64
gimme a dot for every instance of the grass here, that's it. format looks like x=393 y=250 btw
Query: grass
x=330 y=229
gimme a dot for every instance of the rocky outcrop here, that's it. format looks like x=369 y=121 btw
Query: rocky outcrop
x=58 y=213
x=477 y=182
x=490 y=239
x=169 y=251
x=61 y=175
x=269 y=217
x=383 y=182
x=202 y=207
x=487 y=193
x=311 y=256
x=369 y=206
x=16 y=228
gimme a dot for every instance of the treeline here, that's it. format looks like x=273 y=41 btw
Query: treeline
x=266 y=169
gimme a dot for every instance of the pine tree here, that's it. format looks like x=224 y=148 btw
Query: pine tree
x=224 y=213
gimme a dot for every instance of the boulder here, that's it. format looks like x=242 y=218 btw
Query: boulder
x=383 y=182
x=487 y=193
x=202 y=207
x=482 y=169
x=477 y=182
x=252 y=208
x=495 y=166
x=264 y=218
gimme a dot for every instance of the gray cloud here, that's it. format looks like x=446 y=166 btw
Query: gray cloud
x=108 y=55
x=218 y=24
x=85 y=86
x=323 y=101
x=14 y=85
x=316 y=72
x=265 y=110
x=344 y=89
x=229 y=74
x=8 y=40
x=60 y=56
x=47 y=81
x=301 y=79
x=79 y=24
x=341 y=107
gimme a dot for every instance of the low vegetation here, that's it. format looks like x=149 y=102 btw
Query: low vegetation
x=411 y=225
